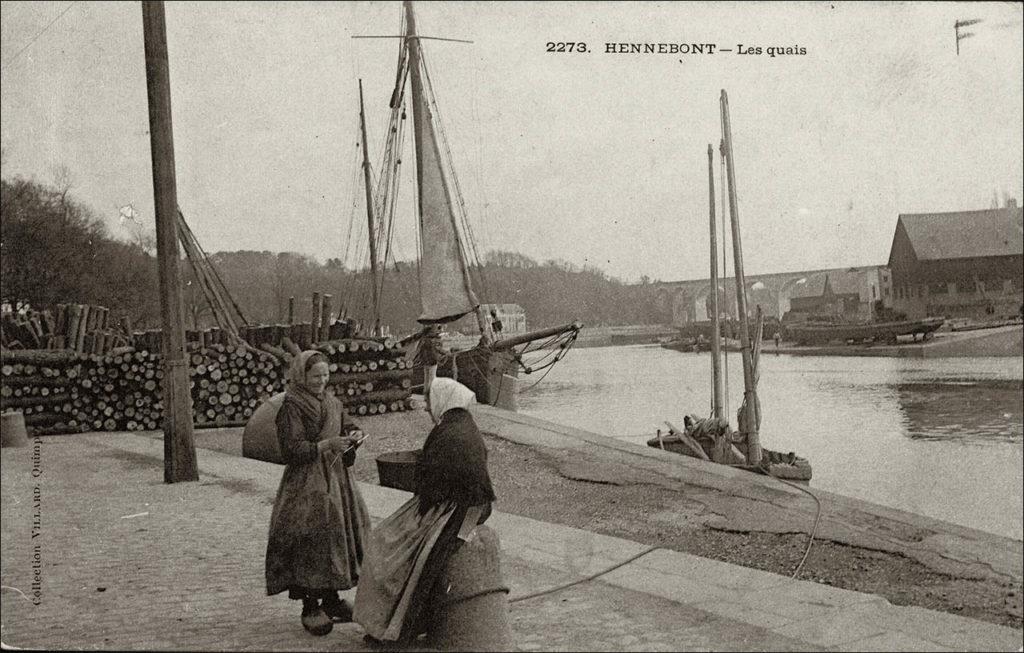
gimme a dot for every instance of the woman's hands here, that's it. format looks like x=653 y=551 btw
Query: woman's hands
x=344 y=445
x=336 y=444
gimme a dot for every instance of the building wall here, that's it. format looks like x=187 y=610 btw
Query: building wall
x=977 y=288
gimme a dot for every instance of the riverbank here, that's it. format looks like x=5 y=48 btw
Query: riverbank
x=566 y=476
x=998 y=341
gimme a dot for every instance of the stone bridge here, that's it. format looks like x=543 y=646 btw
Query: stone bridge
x=682 y=302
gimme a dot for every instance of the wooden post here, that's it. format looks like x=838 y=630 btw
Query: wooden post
x=61 y=325
x=749 y=392
x=179 y=446
x=83 y=328
x=716 y=371
x=291 y=310
x=314 y=318
x=74 y=317
x=325 y=324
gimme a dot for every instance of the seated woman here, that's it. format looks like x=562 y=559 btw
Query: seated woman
x=407 y=552
x=319 y=522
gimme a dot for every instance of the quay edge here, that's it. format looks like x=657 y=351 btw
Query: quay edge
x=742 y=501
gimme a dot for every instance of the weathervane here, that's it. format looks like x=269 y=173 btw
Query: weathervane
x=963 y=35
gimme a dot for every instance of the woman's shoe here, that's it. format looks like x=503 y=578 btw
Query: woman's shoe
x=314 y=620
x=337 y=609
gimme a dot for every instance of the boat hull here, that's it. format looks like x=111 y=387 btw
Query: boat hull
x=883 y=331
x=777 y=464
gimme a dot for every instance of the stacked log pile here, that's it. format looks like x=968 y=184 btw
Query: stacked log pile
x=370 y=377
x=44 y=385
x=62 y=391
x=81 y=328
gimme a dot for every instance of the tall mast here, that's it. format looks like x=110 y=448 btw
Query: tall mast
x=371 y=229
x=716 y=372
x=749 y=391
x=427 y=147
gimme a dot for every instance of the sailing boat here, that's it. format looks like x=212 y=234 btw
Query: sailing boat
x=711 y=438
x=446 y=287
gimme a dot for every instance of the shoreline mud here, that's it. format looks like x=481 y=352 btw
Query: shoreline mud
x=566 y=476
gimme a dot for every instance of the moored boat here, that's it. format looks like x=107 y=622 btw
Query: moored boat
x=711 y=439
x=809 y=334
x=718 y=443
x=448 y=256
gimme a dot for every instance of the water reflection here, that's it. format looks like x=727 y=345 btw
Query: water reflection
x=940 y=437
x=979 y=412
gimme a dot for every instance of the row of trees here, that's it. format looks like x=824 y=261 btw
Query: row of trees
x=55 y=250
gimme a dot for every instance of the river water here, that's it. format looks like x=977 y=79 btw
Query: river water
x=939 y=437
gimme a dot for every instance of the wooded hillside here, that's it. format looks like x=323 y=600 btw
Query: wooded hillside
x=54 y=249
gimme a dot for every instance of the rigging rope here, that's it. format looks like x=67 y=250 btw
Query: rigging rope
x=388 y=187
x=634 y=558
x=345 y=293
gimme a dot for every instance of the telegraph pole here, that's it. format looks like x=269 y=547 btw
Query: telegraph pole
x=179 y=447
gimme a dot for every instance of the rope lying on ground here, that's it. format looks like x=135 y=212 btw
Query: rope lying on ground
x=583 y=580
x=814 y=528
x=557 y=588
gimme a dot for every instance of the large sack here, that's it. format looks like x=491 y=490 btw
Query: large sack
x=259 y=439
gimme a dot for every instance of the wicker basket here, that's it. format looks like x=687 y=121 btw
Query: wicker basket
x=397 y=469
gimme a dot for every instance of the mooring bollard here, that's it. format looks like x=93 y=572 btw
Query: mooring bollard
x=12 y=430
x=474 y=613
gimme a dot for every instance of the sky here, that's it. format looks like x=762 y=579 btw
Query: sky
x=593 y=158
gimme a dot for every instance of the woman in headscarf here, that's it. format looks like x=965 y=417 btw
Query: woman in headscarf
x=408 y=551
x=319 y=522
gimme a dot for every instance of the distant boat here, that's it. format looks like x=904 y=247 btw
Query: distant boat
x=820 y=333
x=700 y=344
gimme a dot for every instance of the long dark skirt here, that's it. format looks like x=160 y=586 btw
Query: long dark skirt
x=317 y=529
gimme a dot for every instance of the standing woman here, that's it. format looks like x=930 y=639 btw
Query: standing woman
x=319 y=522
x=408 y=551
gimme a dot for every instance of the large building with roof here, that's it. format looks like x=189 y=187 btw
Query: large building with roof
x=965 y=264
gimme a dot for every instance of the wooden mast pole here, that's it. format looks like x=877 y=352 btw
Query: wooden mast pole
x=420 y=112
x=369 y=213
x=716 y=372
x=749 y=392
x=179 y=446
x=431 y=332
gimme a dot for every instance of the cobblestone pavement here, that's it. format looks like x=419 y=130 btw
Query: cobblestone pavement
x=125 y=561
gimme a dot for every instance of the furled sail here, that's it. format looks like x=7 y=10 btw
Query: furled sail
x=445 y=290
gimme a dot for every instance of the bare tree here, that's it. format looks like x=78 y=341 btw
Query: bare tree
x=62 y=180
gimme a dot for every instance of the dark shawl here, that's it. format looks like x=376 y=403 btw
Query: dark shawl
x=453 y=464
